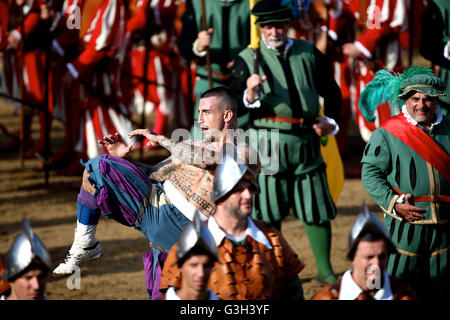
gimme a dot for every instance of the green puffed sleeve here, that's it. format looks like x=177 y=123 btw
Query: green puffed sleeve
x=376 y=168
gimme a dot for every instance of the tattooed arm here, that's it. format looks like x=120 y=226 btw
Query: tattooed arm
x=190 y=152
x=117 y=147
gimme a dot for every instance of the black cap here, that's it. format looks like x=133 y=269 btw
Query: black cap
x=271 y=11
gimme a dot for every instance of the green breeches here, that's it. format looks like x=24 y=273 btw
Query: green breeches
x=308 y=194
x=422 y=258
x=298 y=178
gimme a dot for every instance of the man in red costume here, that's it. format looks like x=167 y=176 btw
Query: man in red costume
x=24 y=63
x=155 y=22
x=375 y=44
x=96 y=70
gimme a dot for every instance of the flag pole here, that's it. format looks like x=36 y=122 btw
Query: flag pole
x=208 y=56
x=255 y=37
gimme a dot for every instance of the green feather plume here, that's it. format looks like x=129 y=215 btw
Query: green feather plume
x=385 y=87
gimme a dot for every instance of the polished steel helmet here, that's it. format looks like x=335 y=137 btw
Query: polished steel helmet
x=228 y=173
x=196 y=234
x=366 y=222
x=25 y=248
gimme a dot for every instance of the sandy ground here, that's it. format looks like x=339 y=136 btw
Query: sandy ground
x=119 y=273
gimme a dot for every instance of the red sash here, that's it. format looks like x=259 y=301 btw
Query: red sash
x=420 y=142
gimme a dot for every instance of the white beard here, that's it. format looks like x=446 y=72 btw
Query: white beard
x=275 y=42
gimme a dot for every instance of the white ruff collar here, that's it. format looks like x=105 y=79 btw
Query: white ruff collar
x=414 y=122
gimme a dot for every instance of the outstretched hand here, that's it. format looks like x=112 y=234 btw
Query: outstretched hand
x=116 y=146
x=154 y=139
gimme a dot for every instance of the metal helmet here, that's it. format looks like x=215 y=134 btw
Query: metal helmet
x=196 y=234
x=229 y=172
x=25 y=247
x=366 y=222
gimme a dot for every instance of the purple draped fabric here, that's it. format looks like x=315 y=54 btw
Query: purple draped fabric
x=152 y=284
x=121 y=186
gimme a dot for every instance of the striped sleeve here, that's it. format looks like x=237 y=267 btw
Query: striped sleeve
x=100 y=35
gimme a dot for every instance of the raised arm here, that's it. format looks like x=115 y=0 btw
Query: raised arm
x=191 y=152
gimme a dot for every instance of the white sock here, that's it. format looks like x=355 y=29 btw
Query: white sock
x=84 y=236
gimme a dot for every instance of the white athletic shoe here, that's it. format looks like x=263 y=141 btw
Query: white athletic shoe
x=84 y=248
x=73 y=260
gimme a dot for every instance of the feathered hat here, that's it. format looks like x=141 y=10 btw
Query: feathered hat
x=393 y=88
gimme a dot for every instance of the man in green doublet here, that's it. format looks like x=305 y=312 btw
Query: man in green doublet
x=283 y=95
x=227 y=33
x=406 y=171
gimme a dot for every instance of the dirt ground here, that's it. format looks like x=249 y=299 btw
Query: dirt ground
x=119 y=273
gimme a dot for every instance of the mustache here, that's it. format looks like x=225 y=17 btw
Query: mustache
x=275 y=38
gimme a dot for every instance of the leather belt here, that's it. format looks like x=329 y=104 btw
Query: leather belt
x=299 y=121
x=155 y=246
x=429 y=198
x=216 y=74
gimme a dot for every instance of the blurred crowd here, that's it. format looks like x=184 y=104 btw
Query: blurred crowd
x=95 y=64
